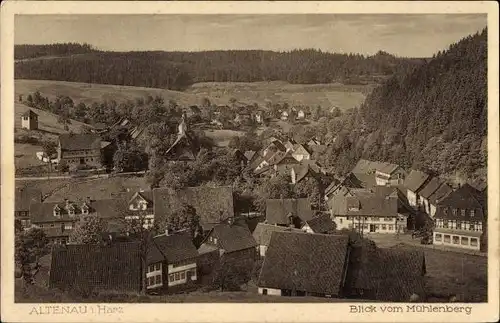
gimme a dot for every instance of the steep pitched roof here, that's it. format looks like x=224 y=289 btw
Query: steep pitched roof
x=464 y=198
x=249 y=154
x=233 y=237
x=80 y=141
x=430 y=188
x=364 y=166
x=212 y=204
x=321 y=224
x=305 y=262
x=479 y=184
x=171 y=248
x=380 y=270
x=443 y=191
x=183 y=148
x=416 y=180
x=371 y=205
x=107 y=208
x=25 y=196
x=300 y=148
x=302 y=171
x=113 y=267
x=29 y=113
x=262 y=233
x=277 y=210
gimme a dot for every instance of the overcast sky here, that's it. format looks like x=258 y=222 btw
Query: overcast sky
x=403 y=35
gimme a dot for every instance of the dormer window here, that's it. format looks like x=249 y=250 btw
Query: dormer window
x=462 y=212
x=85 y=209
x=57 y=211
x=454 y=211
x=472 y=213
x=71 y=211
x=445 y=210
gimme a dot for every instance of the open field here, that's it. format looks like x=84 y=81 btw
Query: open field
x=101 y=188
x=221 y=137
x=25 y=155
x=452 y=273
x=325 y=95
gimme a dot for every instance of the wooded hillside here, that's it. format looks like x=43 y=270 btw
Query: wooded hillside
x=178 y=70
x=434 y=118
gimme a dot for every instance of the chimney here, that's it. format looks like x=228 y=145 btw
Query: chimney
x=167 y=231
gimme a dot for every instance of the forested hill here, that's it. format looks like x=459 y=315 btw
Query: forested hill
x=434 y=118
x=178 y=70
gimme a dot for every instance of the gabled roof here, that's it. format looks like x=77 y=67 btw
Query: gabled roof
x=183 y=148
x=233 y=237
x=430 y=188
x=25 y=196
x=379 y=270
x=312 y=263
x=277 y=210
x=415 y=180
x=479 y=185
x=464 y=198
x=299 y=148
x=302 y=171
x=367 y=167
x=262 y=233
x=249 y=154
x=212 y=204
x=321 y=224
x=113 y=267
x=286 y=158
x=369 y=205
x=80 y=141
x=107 y=208
x=29 y=113
x=443 y=191
x=171 y=248
x=276 y=143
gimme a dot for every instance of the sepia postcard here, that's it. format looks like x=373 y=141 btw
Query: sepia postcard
x=224 y=161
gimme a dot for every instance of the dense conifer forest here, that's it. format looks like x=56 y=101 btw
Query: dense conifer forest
x=433 y=118
x=178 y=70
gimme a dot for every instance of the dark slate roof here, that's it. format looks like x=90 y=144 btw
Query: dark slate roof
x=479 y=184
x=443 y=191
x=367 y=167
x=29 y=113
x=107 y=208
x=80 y=141
x=313 y=263
x=277 y=210
x=379 y=270
x=262 y=233
x=113 y=267
x=233 y=237
x=321 y=224
x=369 y=205
x=286 y=158
x=212 y=204
x=302 y=171
x=430 y=188
x=183 y=148
x=171 y=248
x=25 y=196
x=302 y=147
x=464 y=198
x=415 y=180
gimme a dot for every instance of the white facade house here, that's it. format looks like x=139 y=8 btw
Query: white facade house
x=414 y=183
x=29 y=120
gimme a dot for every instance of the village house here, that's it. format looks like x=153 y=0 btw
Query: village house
x=370 y=211
x=321 y=223
x=140 y=207
x=99 y=128
x=184 y=147
x=259 y=117
x=58 y=219
x=443 y=191
x=414 y=183
x=314 y=141
x=304 y=170
x=378 y=173
x=29 y=120
x=239 y=156
x=171 y=263
x=288 y=212
x=93 y=268
x=262 y=235
x=212 y=204
x=424 y=195
x=293 y=260
x=460 y=219
x=79 y=150
x=272 y=148
x=284 y=115
x=236 y=249
x=301 y=114
x=300 y=152
x=289 y=144
x=250 y=155
x=24 y=197
x=342 y=186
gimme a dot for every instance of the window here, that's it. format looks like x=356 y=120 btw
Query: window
x=456 y=239
x=447 y=238
x=454 y=211
x=215 y=240
x=171 y=278
x=445 y=210
x=462 y=212
x=71 y=212
x=68 y=226
x=472 y=213
x=183 y=275
x=438 y=237
x=157 y=279
x=264 y=291
x=445 y=224
x=151 y=268
x=452 y=224
x=377 y=226
x=473 y=242
x=390 y=227
x=348 y=218
x=365 y=226
x=464 y=241
x=52 y=225
x=157 y=266
x=177 y=276
x=366 y=218
x=384 y=227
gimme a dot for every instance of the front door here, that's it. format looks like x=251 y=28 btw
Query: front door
x=372 y=227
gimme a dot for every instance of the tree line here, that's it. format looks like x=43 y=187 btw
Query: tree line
x=27 y=51
x=179 y=70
